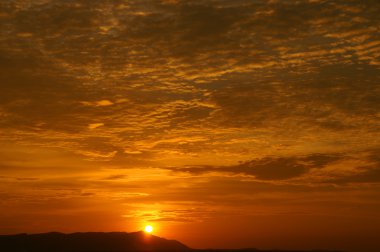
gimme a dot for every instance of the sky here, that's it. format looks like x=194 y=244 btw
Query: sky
x=221 y=123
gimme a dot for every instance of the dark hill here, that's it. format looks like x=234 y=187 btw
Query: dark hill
x=88 y=242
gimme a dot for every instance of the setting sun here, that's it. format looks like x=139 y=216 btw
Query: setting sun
x=148 y=229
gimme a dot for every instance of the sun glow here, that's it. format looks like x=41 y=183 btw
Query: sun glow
x=148 y=229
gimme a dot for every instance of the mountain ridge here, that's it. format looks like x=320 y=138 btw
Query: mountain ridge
x=88 y=242
x=107 y=242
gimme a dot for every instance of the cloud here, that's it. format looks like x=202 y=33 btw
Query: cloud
x=271 y=168
x=184 y=212
x=297 y=78
x=101 y=103
x=95 y=155
x=95 y=125
x=116 y=177
x=367 y=172
x=335 y=168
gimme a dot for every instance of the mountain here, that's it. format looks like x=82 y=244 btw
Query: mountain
x=88 y=242
x=105 y=242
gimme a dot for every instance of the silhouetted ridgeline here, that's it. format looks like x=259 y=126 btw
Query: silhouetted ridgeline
x=258 y=250
x=88 y=242
x=103 y=242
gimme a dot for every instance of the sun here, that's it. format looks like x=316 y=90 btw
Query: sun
x=148 y=229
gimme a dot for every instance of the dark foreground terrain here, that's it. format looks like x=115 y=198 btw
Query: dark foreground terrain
x=88 y=242
x=100 y=242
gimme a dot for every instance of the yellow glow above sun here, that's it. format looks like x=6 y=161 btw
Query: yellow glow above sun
x=148 y=229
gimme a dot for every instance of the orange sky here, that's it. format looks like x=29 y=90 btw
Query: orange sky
x=220 y=123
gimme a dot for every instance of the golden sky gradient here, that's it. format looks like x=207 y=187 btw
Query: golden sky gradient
x=222 y=123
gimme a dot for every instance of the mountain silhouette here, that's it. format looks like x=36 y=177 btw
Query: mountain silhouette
x=106 y=242
x=88 y=242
